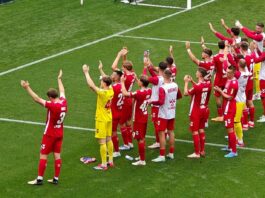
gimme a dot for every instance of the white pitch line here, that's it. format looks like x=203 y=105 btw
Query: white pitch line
x=102 y=39
x=147 y=136
x=161 y=39
x=157 y=6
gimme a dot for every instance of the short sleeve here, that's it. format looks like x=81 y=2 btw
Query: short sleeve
x=48 y=104
x=192 y=90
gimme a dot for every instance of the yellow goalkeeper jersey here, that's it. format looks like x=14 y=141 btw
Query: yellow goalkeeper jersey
x=103 y=112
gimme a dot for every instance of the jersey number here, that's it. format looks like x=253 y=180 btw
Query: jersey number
x=120 y=100
x=143 y=106
x=60 y=121
x=203 y=98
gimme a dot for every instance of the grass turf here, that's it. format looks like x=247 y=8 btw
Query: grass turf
x=41 y=28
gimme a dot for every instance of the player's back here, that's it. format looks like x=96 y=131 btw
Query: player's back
x=200 y=96
x=55 y=117
x=168 y=109
x=103 y=111
x=130 y=79
x=141 y=105
x=117 y=100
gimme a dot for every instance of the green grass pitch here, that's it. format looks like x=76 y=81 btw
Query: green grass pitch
x=31 y=30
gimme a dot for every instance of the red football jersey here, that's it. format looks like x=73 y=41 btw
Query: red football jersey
x=231 y=89
x=55 y=117
x=117 y=101
x=141 y=103
x=250 y=65
x=200 y=95
x=173 y=70
x=130 y=79
x=220 y=75
x=209 y=67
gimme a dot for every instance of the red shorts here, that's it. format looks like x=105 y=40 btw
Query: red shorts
x=115 y=123
x=249 y=94
x=164 y=124
x=262 y=88
x=139 y=130
x=229 y=120
x=154 y=111
x=126 y=114
x=199 y=119
x=51 y=144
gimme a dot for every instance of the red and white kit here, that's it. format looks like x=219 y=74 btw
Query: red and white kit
x=53 y=134
x=199 y=111
x=140 y=115
x=258 y=38
x=229 y=105
x=127 y=106
x=209 y=67
x=168 y=95
x=116 y=106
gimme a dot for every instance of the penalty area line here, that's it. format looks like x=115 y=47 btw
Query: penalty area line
x=162 y=39
x=103 y=39
x=147 y=136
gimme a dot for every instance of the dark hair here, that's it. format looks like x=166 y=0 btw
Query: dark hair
x=235 y=30
x=221 y=44
x=118 y=72
x=244 y=39
x=202 y=71
x=244 y=46
x=242 y=63
x=239 y=56
x=52 y=93
x=208 y=51
x=107 y=80
x=162 y=66
x=144 y=80
x=232 y=67
x=128 y=65
x=260 y=24
x=167 y=73
x=169 y=60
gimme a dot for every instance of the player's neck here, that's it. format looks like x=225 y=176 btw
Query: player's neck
x=167 y=81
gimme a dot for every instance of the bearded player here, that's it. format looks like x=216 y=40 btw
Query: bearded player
x=53 y=134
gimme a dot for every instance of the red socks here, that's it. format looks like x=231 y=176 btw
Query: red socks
x=196 y=142
x=202 y=141
x=141 y=148
x=252 y=113
x=162 y=152
x=232 y=141
x=124 y=135
x=57 y=167
x=42 y=167
x=245 y=117
x=171 y=149
x=220 y=111
x=129 y=133
x=115 y=141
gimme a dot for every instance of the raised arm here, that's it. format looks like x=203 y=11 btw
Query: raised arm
x=187 y=79
x=203 y=43
x=224 y=25
x=121 y=53
x=171 y=52
x=89 y=80
x=219 y=35
x=191 y=55
x=249 y=33
x=100 y=68
x=123 y=88
x=60 y=84
x=35 y=97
